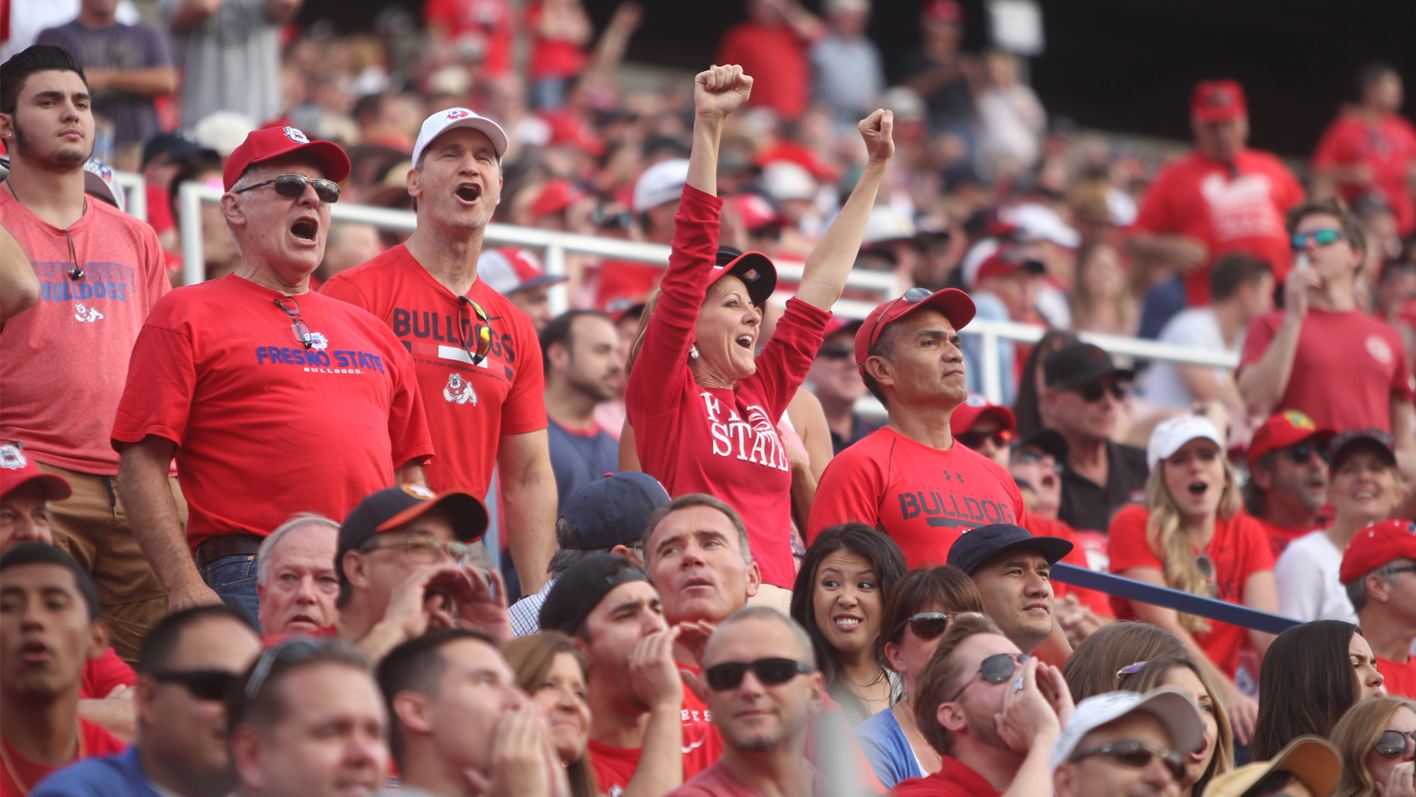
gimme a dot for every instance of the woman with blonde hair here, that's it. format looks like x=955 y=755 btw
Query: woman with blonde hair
x=1181 y=672
x=1375 y=740
x=553 y=672
x=1191 y=536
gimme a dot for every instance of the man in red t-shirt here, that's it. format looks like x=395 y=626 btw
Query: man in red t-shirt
x=1371 y=148
x=774 y=41
x=645 y=724
x=476 y=355
x=1288 y=477
x=1379 y=572
x=61 y=375
x=49 y=628
x=990 y=712
x=1322 y=354
x=273 y=399
x=1223 y=197
x=909 y=478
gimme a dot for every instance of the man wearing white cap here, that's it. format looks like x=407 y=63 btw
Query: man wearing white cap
x=476 y=354
x=655 y=201
x=516 y=273
x=1127 y=743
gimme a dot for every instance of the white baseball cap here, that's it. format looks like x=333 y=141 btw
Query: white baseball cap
x=786 y=181
x=887 y=223
x=1178 y=713
x=660 y=184
x=1042 y=222
x=453 y=118
x=1172 y=433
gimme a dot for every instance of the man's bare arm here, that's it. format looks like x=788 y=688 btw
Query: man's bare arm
x=152 y=514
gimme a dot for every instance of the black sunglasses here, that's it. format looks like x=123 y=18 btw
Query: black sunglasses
x=768 y=672
x=1027 y=456
x=929 y=625
x=1392 y=744
x=291 y=186
x=1136 y=755
x=1093 y=391
x=1300 y=454
x=211 y=685
x=836 y=353
x=995 y=670
x=975 y=440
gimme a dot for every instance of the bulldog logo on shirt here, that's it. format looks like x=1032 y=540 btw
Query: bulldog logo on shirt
x=459 y=390
x=83 y=312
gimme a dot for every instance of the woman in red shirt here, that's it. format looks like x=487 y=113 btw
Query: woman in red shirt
x=705 y=409
x=1191 y=536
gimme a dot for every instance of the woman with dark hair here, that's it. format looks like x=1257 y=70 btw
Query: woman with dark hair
x=1376 y=745
x=1093 y=666
x=917 y=613
x=839 y=599
x=704 y=406
x=1027 y=404
x=553 y=672
x=1180 y=672
x=1313 y=673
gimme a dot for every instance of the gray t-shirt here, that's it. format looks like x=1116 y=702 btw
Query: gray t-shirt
x=118 y=46
x=231 y=62
x=846 y=75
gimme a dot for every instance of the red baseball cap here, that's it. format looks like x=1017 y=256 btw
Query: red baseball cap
x=840 y=323
x=944 y=10
x=755 y=269
x=976 y=407
x=555 y=196
x=1218 y=101
x=511 y=269
x=756 y=211
x=952 y=302
x=269 y=143
x=17 y=470
x=1284 y=429
x=1377 y=546
x=1006 y=261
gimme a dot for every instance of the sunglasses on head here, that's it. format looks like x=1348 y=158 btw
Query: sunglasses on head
x=929 y=625
x=768 y=672
x=1324 y=237
x=975 y=440
x=1392 y=744
x=911 y=296
x=995 y=670
x=1094 y=391
x=210 y=685
x=835 y=353
x=1301 y=453
x=291 y=186
x=1136 y=755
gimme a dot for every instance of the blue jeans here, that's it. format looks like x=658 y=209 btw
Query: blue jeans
x=234 y=579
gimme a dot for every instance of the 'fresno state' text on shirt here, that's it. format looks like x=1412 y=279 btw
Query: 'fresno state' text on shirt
x=754 y=440
x=343 y=359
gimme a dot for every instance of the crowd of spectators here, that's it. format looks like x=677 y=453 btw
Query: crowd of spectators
x=247 y=525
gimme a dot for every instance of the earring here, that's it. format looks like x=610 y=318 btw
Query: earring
x=693 y=352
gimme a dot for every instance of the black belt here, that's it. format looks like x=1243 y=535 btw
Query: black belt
x=228 y=545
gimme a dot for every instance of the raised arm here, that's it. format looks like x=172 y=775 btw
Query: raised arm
x=717 y=92
x=828 y=265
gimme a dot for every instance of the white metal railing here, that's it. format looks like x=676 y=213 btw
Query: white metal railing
x=557 y=245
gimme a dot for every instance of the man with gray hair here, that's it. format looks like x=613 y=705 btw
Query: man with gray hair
x=696 y=554
x=295 y=578
x=1379 y=572
x=269 y=396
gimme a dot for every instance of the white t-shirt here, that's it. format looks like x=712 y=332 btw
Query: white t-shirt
x=1195 y=327
x=1308 y=585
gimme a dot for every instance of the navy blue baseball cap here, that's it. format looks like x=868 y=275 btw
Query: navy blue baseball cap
x=975 y=548
x=576 y=592
x=610 y=511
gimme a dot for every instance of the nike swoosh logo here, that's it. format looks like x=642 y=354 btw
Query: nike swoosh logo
x=694 y=746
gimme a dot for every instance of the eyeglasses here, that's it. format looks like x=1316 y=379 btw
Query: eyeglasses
x=303 y=335
x=1028 y=456
x=1093 y=391
x=210 y=685
x=292 y=186
x=1324 y=237
x=1206 y=567
x=1136 y=755
x=291 y=651
x=476 y=340
x=911 y=296
x=835 y=353
x=423 y=549
x=1300 y=454
x=975 y=440
x=995 y=670
x=1392 y=744
x=929 y=625
x=1391 y=571
x=768 y=672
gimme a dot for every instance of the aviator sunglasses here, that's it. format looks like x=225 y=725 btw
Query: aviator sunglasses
x=291 y=186
x=929 y=625
x=995 y=670
x=768 y=672
x=1136 y=755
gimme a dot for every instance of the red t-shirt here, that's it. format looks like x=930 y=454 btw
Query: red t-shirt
x=94 y=742
x=702 y=746
x=470 y=408
x=104 y=674
x=63 y=362
x=953 y=778
x=921 y=496
x=552 y=57
x=1279 y=537
x=696 y=439
x=263 y=426
x=1098 y=602
x=1400 y=678
x=625 y=279
x=1347 y=369
x=1388 y=148
x=1238 y=210
x=486 y=21
x=1238 y=550
x=777 y=55
x=715 y=781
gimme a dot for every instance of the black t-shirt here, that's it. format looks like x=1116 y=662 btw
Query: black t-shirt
x=1088 y=506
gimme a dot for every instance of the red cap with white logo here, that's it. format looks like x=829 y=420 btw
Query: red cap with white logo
x=510 y=269
x=274 y=142
x=17 y=470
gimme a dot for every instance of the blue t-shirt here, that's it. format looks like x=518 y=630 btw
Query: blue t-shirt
x=578 y=458
x=887 y=749
x=118 y=775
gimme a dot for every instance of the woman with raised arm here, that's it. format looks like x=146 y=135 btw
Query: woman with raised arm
x=703 y=408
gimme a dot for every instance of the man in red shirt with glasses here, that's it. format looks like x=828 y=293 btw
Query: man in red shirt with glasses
x=476 y=354
x=273 y=399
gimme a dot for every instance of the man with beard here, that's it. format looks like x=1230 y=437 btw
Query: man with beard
x=584 y=367
x=1288 y=477
x=100 y=273
x=188 y=661
x=763 y=689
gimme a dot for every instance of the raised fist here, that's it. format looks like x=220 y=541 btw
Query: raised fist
x=720 y=90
